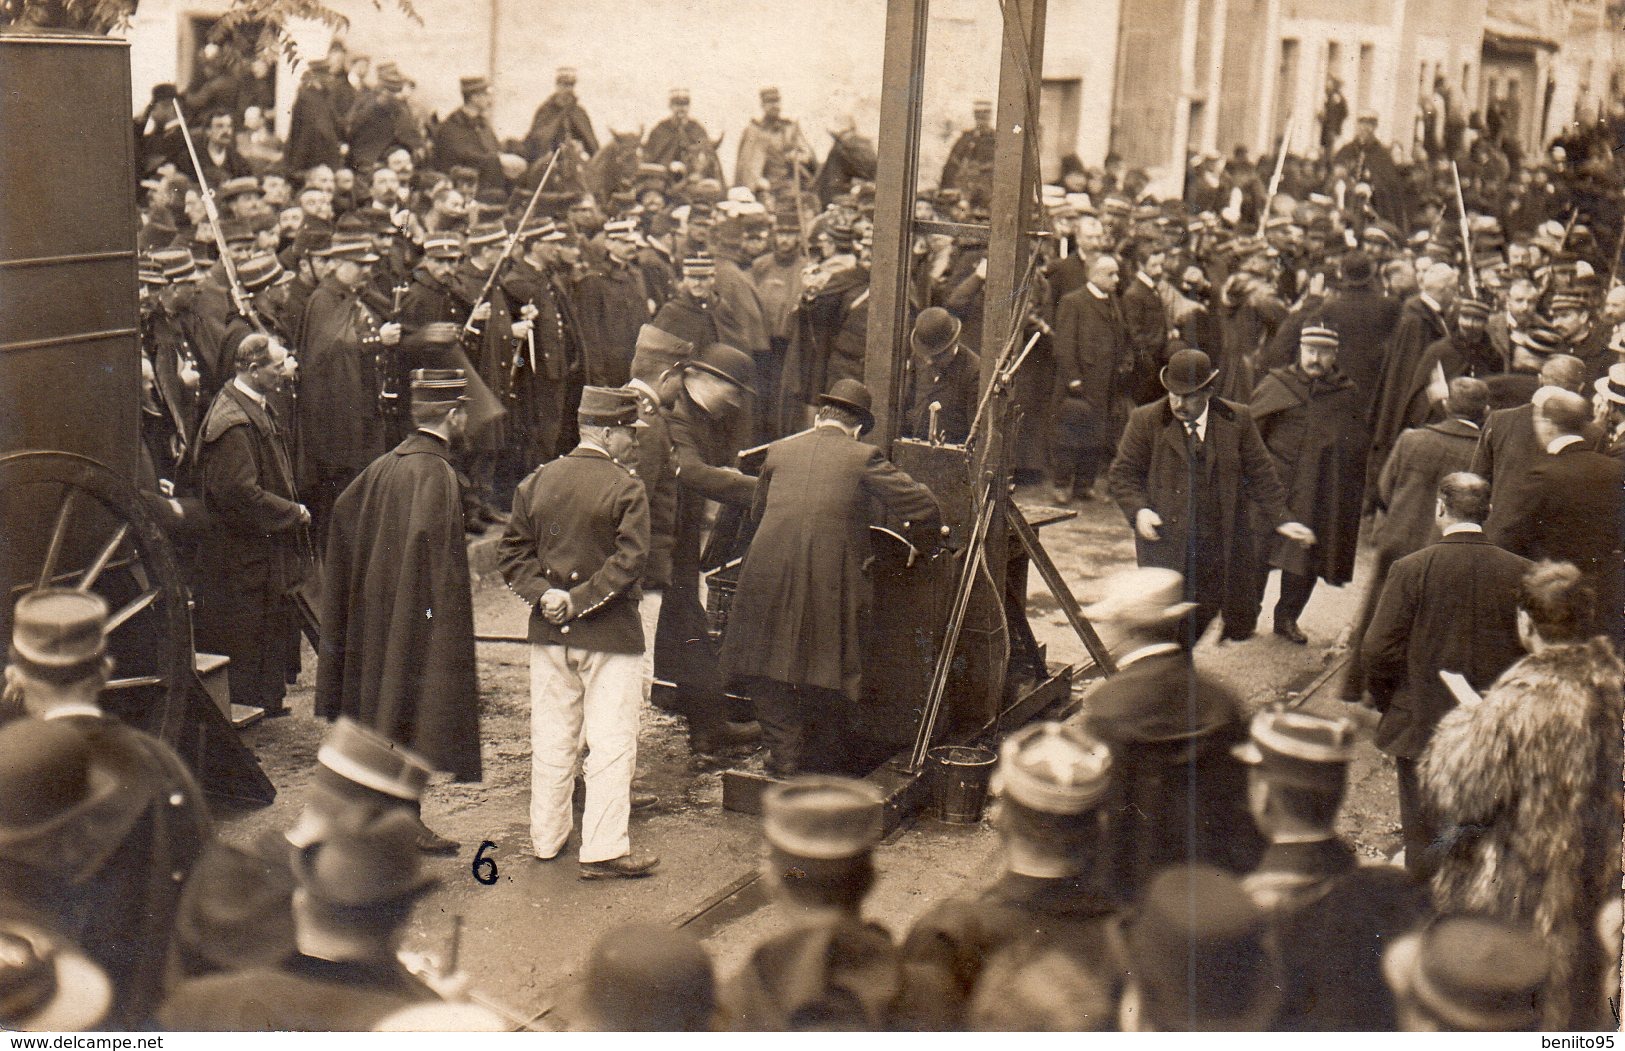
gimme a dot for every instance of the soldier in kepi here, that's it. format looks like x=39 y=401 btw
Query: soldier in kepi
x=771 y=148
x=969 y=168
x=574 y=551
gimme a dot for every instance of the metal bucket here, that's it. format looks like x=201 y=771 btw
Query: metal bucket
x=959 y=781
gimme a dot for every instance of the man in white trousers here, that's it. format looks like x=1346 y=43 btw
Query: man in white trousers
x=575 y=550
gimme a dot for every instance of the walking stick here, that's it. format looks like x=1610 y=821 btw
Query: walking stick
x=1275 y=179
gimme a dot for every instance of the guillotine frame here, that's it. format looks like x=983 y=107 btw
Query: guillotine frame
x=1010 y=252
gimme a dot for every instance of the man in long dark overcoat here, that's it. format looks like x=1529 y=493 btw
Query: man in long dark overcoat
x=341 y=425
x=707 y=421
x=1093 y=371
x=254 y=553
x=1310 y=418
x=796 y=623
x=397 y=609
x=1187 y=470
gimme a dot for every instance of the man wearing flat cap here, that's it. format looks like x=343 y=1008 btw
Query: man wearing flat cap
x=100 y=823
x=575 y=550
x=1188 y=471
x=1330 y=917
x=833 y=971
x=1310 y=418
x=560 y=119
x=1053 y=784
x=1170 y=727
x=395 y=549
x=771 y=148
x=796 y=628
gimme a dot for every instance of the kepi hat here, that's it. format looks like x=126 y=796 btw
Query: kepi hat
x=823 y=818
x=1053 y=768
x=608 y=407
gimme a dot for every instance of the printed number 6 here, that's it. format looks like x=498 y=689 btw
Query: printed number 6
x=487 y=875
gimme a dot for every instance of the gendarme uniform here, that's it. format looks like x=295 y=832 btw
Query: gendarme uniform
x=580 y=525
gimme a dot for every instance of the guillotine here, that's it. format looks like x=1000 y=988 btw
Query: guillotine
x=995 y=673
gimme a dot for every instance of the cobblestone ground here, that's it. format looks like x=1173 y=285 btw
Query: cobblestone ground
x=525 y=936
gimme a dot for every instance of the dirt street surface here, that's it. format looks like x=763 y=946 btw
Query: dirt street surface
x=526 y=935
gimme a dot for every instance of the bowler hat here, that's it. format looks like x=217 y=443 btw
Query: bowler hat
x=373 y=864
x=1473 y=973
x=1196 y=948
x=1467 y=307
x=59 y=634
x=46 y=983
x=608 y=407
x=852 y=395
x=1188 y=371
x=50 y=775
x=935 y=330
x=1354 y=270
x=1054 y=768
x=1300 y=750
x=823 y=818
x=727 y=363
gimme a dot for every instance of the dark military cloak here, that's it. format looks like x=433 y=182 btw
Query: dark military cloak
x=397 y=613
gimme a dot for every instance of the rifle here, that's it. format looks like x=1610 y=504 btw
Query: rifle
x=1275 y=179
x=1466 y=234
x=513 y=239
x=239 y=297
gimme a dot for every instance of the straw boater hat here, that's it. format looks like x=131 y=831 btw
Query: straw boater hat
x=1143 y=597
x=46 y=983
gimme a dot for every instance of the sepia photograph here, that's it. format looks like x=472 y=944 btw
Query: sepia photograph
x=723 y=516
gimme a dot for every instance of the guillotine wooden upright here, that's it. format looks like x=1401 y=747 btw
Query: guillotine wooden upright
x=995 y=673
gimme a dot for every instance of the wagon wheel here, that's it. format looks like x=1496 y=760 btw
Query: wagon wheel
x=68 y=521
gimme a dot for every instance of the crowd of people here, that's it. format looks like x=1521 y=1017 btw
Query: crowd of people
x=388 y=333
